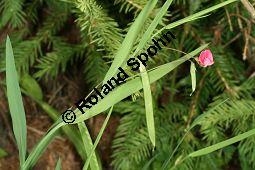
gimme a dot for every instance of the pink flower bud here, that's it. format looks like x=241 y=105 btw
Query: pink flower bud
x=206 y=58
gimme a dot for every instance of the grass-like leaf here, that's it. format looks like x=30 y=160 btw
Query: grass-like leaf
x=90 y=156
x=222 y=144
x=153 y=25
x=88 y=144
x=129 y=40
x=58 y=165
x=30 y=85
x=148 y=104
x=195 y=16
x=193 y=76
x=15 y=103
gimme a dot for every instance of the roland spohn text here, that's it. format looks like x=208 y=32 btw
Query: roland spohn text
x=120 y=78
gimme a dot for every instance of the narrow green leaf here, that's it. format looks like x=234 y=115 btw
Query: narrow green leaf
x=58 y=166
x=193 y=76
x=88 y=145
x=30 y=85
x=195 y=16
x=148 y=104
x=131 y=87
x=15 y=103
x=3 y=153
x=222 y=144
x=98 y=139
x=129 y=40
x=153 y=25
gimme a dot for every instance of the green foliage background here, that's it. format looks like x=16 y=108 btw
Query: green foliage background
x=52 y=37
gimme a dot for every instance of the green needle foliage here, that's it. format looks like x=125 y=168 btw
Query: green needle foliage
x=14 y=15
x=209 y=129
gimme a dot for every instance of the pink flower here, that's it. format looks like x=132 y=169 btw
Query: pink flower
x=206 y=58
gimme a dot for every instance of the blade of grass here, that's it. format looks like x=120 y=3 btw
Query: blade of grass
x=131 y=87
x=15 y=103
x=148 y=104
x=129 y=40
x=151 y=28
x=195 y=16
x=222 y=144
x=193 y=76
x=88 y=145
x=153 y=25
x=31 y=86
x=58 y=166
x=97 y=140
